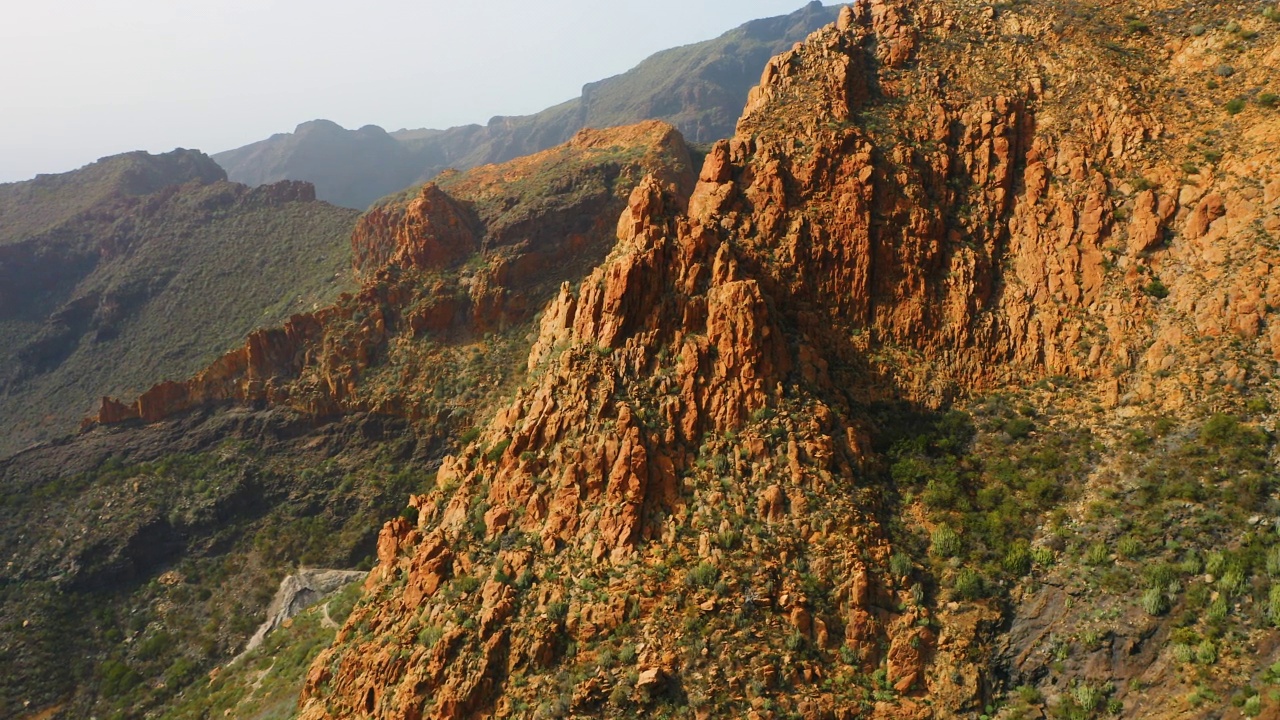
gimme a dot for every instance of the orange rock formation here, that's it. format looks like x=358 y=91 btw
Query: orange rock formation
x=885 y=223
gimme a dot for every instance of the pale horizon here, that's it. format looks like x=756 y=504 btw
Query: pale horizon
x=98 y=80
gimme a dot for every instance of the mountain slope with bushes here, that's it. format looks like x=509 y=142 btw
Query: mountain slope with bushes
x=946 y=390
x=141 y=267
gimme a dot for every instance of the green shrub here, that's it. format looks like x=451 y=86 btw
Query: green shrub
x=1234 y=106
x=1207 y=652
x=1098 y=554
x=1017 y=561
x=429 y=636
x=1215 y=562
x=558 y=611
x=1183 y=652
x=1217 y=611
x=1252 y=706
x=1232 y=581
x=117 y=678
x=495 y=452
x=1273 y=605
x=1191 y=564
x=1154 y=601
x=1159 y=575
x=1088 y=697
x=944 y=542
x=1258 y=405
x=703 y=575
x=1128 y=547
x=1156 y=289
x=969 y=585
x=900 y=564
x=1019 y=428
x=1043 y=556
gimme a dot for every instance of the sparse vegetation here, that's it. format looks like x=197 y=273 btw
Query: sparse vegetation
x=1156 y=289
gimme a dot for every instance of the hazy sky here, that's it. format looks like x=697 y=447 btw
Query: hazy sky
x=87 y=78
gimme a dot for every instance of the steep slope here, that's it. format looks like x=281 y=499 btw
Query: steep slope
x=698 y=88
x=146 y=266
x=725 y=489
x=137 y=562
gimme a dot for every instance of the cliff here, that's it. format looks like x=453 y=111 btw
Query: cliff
x=946 y=390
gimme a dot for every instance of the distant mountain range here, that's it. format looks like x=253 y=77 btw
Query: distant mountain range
x=144 y=266
x=699 y=88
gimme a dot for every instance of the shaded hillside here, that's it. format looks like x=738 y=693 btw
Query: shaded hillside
x=147 y=552
x=141 y=267
x=699 y=88
x=135 y=563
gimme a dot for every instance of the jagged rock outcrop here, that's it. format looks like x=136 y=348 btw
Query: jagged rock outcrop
x=431 y=232
x=891 y=220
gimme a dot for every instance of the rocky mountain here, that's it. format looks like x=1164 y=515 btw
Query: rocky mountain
x=699 y=88
x=139 y=267
x=946 y=391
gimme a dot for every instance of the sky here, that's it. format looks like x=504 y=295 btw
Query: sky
x=86 y=78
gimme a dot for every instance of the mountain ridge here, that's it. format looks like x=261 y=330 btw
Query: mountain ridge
x=699 y=88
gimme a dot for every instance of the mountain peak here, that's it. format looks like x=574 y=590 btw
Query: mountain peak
x=319 y=125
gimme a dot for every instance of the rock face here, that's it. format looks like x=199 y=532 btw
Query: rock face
x=298 y=592
x=917 y=205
